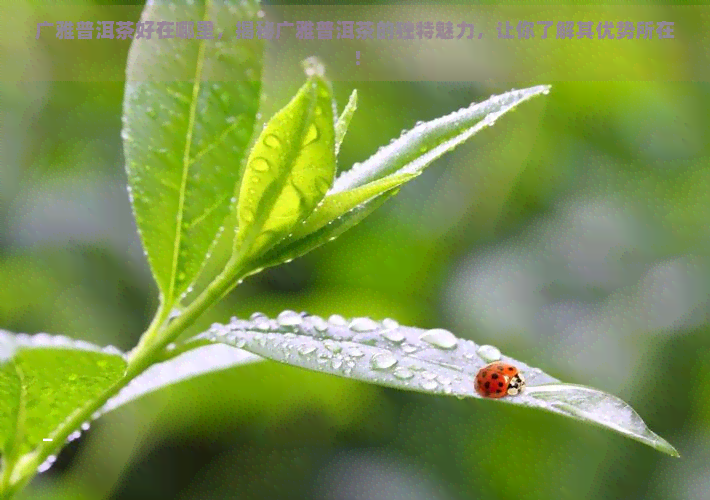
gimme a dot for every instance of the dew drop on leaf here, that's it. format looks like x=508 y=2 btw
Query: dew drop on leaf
x=389 y=323
x=260 y=164
x=355 y=352
x=403 y=373
x=272 y=141
x=318 y=323
x=409 y=348
x=393 y=336
x=289 y=318
x=332 y=346
x=305 y=350
x=383 y=361
x=337 y=320
x=489 y=353
x=363 y=325
x=429 y=385
x=438 y=337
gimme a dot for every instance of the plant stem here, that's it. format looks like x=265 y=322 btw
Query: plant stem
x=148 y=352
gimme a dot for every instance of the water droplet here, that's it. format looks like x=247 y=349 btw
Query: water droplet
x=272 y=141
x=263 y=324
x=255 y=316
x=332 y=346
x=389 y=323
x=47 y=463
x=260 y=164
x=443 y=379
x=403 y=373
x=409 y=348
x=438 y=337
x=305 y=350
x=319 y=323
x=489 y=353
x=337 y=320
x=363 y=325
x=383 y=361
x=429 y=385
x=289 y=318
x=355 y=352
x=336 y=364
x=85 y=426
x=393 y=336
x=428 y=375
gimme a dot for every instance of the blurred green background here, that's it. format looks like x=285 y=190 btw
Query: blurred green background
x=573 y=235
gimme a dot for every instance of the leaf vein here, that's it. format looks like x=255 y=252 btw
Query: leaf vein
x=217 y=141
x=207 y=212
x=186 y=160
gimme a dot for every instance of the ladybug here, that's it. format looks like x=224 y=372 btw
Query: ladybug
x=499 y=379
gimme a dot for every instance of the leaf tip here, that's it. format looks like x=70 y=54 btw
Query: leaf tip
x=663 y=446
x=313 y=66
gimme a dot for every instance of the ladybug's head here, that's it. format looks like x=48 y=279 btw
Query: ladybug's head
x=516 y=384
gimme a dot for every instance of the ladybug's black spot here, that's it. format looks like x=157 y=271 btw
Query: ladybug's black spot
x=487 y=385
x=498 y=391
x=500 y=384
x=500 y=368
x=494 y=376
x=511 y=369
x=484 y=373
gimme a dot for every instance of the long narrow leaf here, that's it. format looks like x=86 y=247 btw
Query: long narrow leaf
x=338 y=204
x=426 y=142
x=341 y=127
x=428 y=361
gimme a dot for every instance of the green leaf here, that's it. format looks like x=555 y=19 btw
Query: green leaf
x=429 y=361
x=426 y=142
x=289 y=170
x=338 y=204
x=189 y=113
x=341 y=127
x=290 y=249
x=43 y=380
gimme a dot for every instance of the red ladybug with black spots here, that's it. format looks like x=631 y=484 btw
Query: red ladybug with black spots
x=499 y=379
